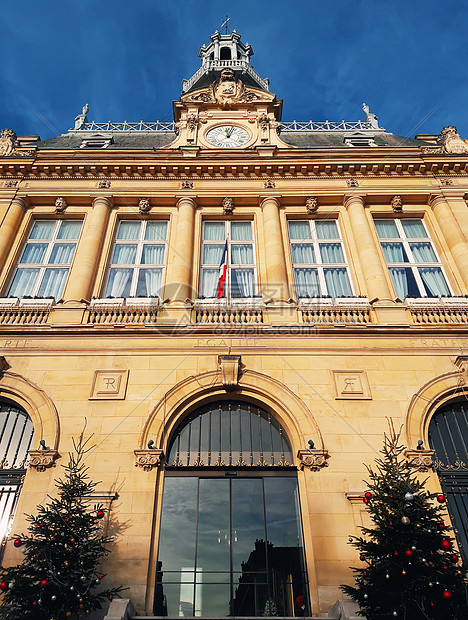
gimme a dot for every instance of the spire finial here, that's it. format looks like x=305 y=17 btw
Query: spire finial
x=225 y=23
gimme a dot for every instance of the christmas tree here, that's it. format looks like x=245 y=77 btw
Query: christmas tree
x=410 y=569
x=59 y=576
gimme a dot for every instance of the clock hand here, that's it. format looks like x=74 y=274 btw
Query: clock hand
x=229 y=131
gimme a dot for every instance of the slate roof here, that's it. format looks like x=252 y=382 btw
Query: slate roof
x=335 y=139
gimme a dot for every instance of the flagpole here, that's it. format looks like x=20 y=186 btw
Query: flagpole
x=228 y=272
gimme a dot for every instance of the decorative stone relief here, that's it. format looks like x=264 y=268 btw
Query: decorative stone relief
x=187 y=184
x=228 y=206
x=60 y=204
x=462 y=363
x=422 y=460
x=446 y=181
x=351 y=385
x=7 y=142
x=4 y=365
x=43 y=459
x=192 y=122
x=313 y=459
x=104 y=184
x=10 y=184
x=432 y=150
x=82 y=119
x=452 y=141
x=230 y=366
x=149 y=458
x=352 y=182
x=263 y=121
x=397 y=204
x=269 y=184
x=144 y=206
x=311 y=204
x=109 y=385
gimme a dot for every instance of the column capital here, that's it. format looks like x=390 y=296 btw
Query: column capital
x=276 y=198
x=350 y=198
x=108 y=201
x=434 y=199
x=21 y=201
x=184 y=199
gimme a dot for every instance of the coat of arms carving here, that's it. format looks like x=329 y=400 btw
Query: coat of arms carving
x=7 y=142
x=452 y=141
x=227 y=91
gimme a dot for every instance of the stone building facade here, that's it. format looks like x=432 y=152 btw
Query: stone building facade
x=236 y=305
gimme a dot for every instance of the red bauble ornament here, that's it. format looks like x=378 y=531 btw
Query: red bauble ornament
x=4 y=586
x=34 y=603
x=43 y=583
x=409 y=553
x=67 y=519
x=100 y=514
x=362 y=557
x=396 y=553
x=17 y=542
x=447 y=595
x=454 y=558
x=367 y=494
x=445 y=544
x=109 y=597
x=441 y=498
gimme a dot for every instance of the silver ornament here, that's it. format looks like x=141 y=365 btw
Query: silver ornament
x=39 y=601
x=366 y=596
x=409 y=497
x=97 y=580
x=72 y=588
x=53 y=597
x=395 y=613
x=413 y=548
x=11 y=585
x=83 y=578
x=387 y=576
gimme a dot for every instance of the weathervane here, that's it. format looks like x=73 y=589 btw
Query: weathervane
x=225 y=23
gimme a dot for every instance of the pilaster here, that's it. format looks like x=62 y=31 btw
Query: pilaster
x=10 y=225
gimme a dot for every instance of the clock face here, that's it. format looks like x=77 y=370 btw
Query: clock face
x=227 y=136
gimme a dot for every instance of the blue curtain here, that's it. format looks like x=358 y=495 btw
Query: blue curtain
x=423 y=252
x=241 y=254
x=327 y=230
x=303 y=253
x=434 y=281
x=129 y=230
x=153 y=254
x=386 y=229
x=149 y=282
x=337 y=282
x=331 y=253
x=242 y=282
x=404 y=282
x=53 y=283
x=241 y=231
x=299 y=230
x=124 y=254
x=214 y=231
x=62 y=254
x=212 y=254
x=33 y=253
x=394 y=252
x=209 y=282
x=42 y=230
x=23 y=282
x=119 y=282
x=69 y=229
x=156 y=231
x=414 y=228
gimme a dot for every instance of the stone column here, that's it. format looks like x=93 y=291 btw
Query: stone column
x=277 y=277
x=453 y=235
x=369 y=258
x=10 y=226
x=180 y=260
x=81 y=277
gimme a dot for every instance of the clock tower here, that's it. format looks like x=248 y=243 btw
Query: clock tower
x=226 y=104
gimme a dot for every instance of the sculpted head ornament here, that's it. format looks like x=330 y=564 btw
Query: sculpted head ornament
x=7 y=142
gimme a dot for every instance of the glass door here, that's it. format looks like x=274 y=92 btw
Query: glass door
x=230 y=546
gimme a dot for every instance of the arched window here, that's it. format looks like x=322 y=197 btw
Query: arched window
x=225 y=53
x=16 y=438
x=448 y=436
x=231 y=534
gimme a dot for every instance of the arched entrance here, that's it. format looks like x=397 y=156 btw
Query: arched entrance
x=231 y=536
x=16 y=438
x=448 y=436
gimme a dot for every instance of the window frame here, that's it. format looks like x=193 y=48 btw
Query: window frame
x=412 y=263
x=137 y=265
x=315 y=242
x=42 y=267
x=230 y=266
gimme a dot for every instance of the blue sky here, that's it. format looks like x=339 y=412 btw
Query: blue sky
x=407 y=60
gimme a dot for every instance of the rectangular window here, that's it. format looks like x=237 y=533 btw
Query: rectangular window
x=318 y=259
x=138 y=259
x=414 y=266
x=43 y=268
x=240 y=259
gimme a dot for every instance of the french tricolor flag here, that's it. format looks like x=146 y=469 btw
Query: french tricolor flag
x=222 y=274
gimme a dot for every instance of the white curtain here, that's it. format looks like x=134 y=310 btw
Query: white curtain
x=414 y=228
x=62 y=254
x=394 y=252
x=119 y=282
x=124 y=254
x=303 y=253
x=129 y=230
x=209 y=284
x=423 y=252
x=42 y=230
x=33 y=253
x=299 y=230
x=307 y=283
x=337 y=282
x=53 y=283
x=241 y=254
x=331 y=253
x=214 y=231
x=149 y=282
x=156 y=231
x=212 y=254
x=399 y=277
x=153 y=254
x=242 y=283
x=386 y=229
x=69 y=229
x=241 y=231
x=23 y=282
x=327 y=230
x=434 y=281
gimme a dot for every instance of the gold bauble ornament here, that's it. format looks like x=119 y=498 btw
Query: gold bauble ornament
x=405 y=520
x=403 y=572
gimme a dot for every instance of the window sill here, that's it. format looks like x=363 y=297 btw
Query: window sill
x=152 y=302
x=104 y=301
x=315 y=301
x=351 y=301
x=454 y=301
x=422 y=301
x=47 y=302
x=8 y=302
x=236 y=302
